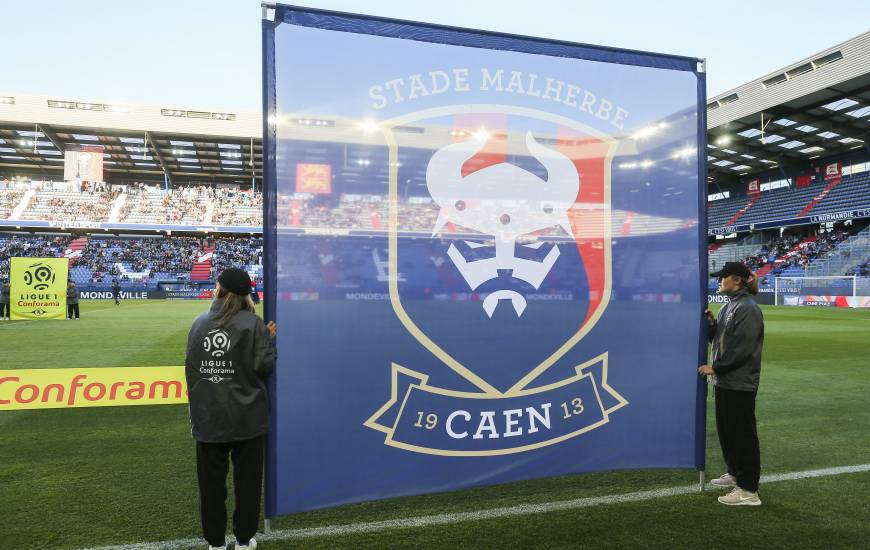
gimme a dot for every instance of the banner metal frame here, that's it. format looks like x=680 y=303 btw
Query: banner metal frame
x=276 y=14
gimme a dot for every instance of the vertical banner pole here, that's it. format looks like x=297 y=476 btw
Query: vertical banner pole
x=701 y=156
x=270 y=234
x=700 y=482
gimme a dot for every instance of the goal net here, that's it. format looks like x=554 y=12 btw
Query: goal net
x=814 y=291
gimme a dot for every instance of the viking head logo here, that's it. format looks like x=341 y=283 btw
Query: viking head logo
x=216 y=342
x=39 y=276
x=505 y=202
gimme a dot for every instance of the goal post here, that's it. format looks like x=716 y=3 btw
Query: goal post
x=814 y=291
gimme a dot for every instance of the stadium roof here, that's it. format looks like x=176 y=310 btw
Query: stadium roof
x=818 y=106
x=137 y=140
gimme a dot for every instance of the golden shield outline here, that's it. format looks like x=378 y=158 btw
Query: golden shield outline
x=518 y=388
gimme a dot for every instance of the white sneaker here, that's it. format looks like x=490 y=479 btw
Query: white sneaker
x=739 y=497
x=250 y=546
x=725 y=480
x=210 y=547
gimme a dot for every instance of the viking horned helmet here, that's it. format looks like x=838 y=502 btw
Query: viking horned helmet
x=502 y=200
x=506 y=202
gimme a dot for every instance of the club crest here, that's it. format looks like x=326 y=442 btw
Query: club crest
x=520 y=249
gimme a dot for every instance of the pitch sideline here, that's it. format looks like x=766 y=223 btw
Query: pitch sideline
x=492 y=513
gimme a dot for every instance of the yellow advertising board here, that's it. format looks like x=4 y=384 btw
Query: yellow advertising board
x=38 y=288
x=109 y=387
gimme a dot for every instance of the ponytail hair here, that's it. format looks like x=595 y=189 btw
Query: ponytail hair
x=751 y=283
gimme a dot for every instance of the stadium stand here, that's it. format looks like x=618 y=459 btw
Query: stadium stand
x=140 y=263
x=9 y=199
x=788 y=255
x=69 y=205
x=237 y=208
x=29 y=246
x=234 y=253
x=141 y=204
x=848 y=258
x=136 y=203
x=787 y=203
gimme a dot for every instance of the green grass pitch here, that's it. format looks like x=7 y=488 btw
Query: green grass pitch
x=121 y=475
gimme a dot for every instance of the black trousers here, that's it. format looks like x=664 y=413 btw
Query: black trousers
x=4 y=310
x=738 y=436
x=72 y=309
x=212 y=464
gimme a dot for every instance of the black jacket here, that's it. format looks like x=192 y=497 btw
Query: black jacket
x=72 y=295
x=738 y=336
x=225 y=370
x=4 y=294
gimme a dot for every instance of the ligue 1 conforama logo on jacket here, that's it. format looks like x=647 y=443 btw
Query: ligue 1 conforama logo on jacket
x=39 y=276
x=216 y=342
x=523 y=213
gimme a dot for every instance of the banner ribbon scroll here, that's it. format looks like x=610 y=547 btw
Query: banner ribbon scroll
x=427 y=419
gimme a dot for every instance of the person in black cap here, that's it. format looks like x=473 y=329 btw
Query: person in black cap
x=72 y=301
x=738 y=336
x=4 y=301
x=230 y=352
x=116 y=292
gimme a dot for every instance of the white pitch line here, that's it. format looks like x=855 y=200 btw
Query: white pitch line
x=492 y=513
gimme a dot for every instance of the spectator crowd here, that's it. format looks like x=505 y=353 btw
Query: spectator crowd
x=235 y=252
x=170 y=255
x=29 y=246
x=147 y=260
x=794 y=251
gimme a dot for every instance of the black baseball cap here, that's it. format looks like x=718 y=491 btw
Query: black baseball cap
x=235 y=280
x=732 y=268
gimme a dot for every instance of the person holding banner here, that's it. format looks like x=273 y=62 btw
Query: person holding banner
x=738 y=336
x=72 y=300
x=4 y=301
x=230 y=352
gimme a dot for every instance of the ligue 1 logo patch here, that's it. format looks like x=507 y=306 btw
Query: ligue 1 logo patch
x=216 y=342
x=39 y=276
x=523 y=220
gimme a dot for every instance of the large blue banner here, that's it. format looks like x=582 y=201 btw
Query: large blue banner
x=485 y=258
